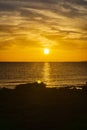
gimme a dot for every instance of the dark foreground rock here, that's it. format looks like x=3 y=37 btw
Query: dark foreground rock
x=33 y=106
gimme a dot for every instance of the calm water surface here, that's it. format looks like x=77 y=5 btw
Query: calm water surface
x=51 y=73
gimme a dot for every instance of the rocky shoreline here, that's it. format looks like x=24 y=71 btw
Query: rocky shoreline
x=34 y=106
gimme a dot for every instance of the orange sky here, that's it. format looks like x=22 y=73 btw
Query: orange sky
x=29 y=26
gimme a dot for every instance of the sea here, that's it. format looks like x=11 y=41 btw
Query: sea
x=53 y=74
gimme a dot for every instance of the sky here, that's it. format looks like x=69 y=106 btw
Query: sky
x=29 y=26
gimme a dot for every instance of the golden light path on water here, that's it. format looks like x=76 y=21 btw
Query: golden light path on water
x=46 y=72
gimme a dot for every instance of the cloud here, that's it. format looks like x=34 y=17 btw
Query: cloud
x=43 y=23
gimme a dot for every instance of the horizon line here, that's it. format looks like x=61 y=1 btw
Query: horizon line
x=43 y=61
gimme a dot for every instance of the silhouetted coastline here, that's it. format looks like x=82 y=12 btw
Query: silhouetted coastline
x=33 y=106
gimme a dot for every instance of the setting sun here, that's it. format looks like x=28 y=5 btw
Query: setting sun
x=46 y=51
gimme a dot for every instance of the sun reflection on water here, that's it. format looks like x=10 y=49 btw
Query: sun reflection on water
x=46 y=72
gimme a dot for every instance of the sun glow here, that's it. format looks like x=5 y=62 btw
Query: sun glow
x=46 y=51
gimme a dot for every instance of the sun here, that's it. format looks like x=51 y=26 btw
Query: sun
x=46 y=51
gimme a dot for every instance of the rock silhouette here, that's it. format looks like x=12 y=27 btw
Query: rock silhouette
x=33 y=106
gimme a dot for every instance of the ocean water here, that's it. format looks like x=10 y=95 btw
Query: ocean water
x=54 y=74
